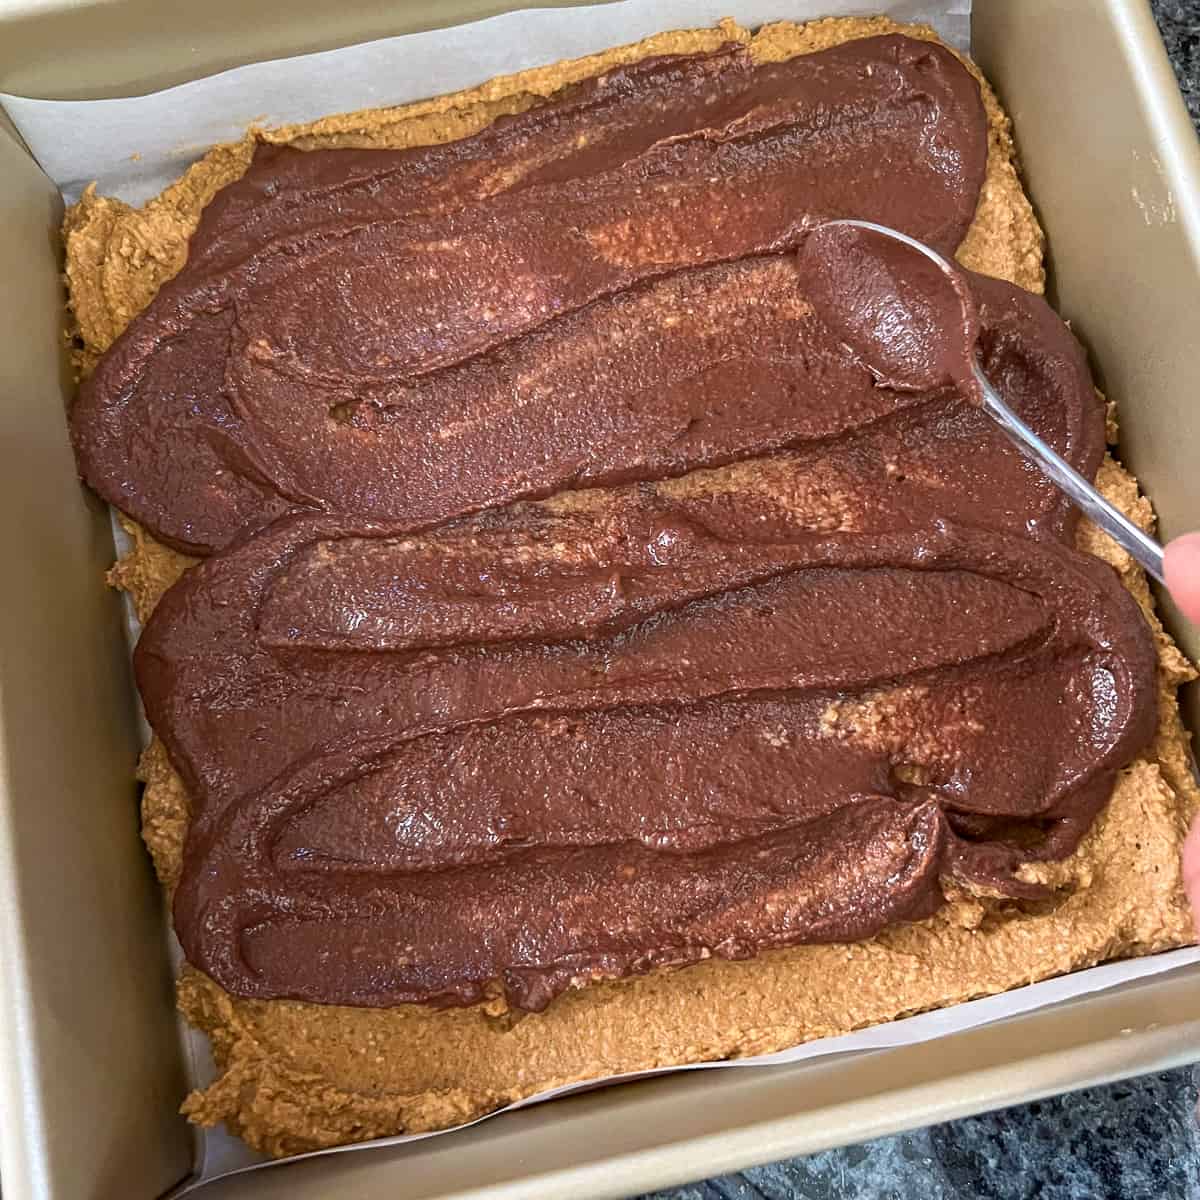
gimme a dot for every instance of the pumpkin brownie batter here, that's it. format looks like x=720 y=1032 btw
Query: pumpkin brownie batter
x=296 y=1076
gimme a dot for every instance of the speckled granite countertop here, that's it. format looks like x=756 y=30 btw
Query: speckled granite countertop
x=1179 y=24
x=1136 y=1140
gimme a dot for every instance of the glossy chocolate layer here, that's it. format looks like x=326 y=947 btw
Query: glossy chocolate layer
x=544 y=747
x=388 y=333
x=635 y=728
x=934 y=456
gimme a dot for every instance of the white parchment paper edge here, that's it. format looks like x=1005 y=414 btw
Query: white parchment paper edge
x=133 y=147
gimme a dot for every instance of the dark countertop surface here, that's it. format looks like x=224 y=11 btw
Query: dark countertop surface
x=1179 y=24
x=1136 y=1140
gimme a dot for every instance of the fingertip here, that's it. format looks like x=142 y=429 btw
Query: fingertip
x=1181 y=565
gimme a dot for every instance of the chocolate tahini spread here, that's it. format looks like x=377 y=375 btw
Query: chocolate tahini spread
x=389 y=333
x=434 y=755
x=542 y=748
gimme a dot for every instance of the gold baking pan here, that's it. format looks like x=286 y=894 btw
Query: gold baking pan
x=91 y=1068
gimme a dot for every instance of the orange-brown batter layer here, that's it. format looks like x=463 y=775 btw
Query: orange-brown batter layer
x=294 y=1076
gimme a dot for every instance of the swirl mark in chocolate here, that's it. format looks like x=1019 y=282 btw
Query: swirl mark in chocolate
x=555 y=302
x=545 y=748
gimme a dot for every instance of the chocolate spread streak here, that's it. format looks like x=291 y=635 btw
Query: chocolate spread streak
x=540 y=747
x=389 y=333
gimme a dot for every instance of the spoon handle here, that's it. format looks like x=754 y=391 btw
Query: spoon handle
x=1147 y=552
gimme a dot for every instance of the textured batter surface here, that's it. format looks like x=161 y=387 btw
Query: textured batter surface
x=294 y=1076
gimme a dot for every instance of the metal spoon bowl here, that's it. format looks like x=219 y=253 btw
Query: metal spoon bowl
x=1145 y=550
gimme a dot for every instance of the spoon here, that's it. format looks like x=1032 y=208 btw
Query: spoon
x=1144 y=549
